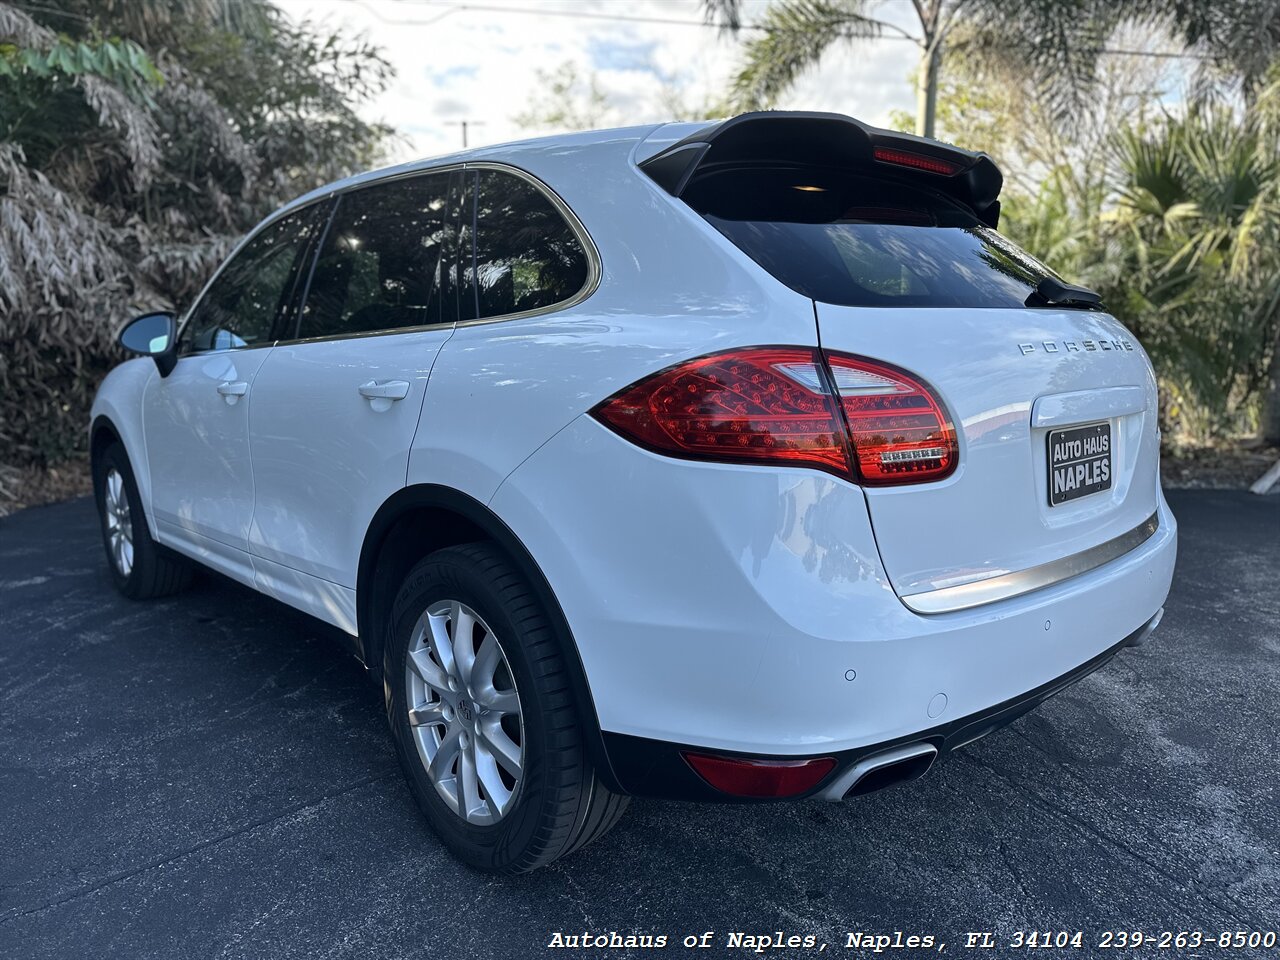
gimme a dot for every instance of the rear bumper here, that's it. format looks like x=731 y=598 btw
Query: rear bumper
x=656 y=768
x=745 y=611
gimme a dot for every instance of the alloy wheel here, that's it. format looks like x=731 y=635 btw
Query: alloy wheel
x=119 y=524
x=464 y=712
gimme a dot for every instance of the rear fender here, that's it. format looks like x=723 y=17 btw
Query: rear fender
x=465 y=519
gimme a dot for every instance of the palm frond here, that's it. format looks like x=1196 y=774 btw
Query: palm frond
x=137 y=128
x=1200 y=215
x=21 y=29
x=726 y=13
x=157 y=22
x=1049 y=46
x=795 y=36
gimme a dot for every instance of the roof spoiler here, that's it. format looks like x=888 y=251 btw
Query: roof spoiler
x=830 y=139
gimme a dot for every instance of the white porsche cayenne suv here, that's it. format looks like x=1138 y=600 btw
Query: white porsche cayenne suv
x=732 y=461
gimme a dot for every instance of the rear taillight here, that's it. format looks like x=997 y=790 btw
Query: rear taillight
x=774 y=405
x=899 y=430
x=761 y=405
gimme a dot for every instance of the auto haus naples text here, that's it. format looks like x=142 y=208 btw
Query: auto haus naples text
x=758 y=943
x=1080 y=461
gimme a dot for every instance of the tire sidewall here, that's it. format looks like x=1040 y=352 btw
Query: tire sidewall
x=114 y=456
x=499 y=845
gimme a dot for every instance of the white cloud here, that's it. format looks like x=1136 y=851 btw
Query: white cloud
x=480 y=65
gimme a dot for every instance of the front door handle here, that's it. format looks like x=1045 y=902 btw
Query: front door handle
x=382 y=395
x=386 y=390
x=232 y=391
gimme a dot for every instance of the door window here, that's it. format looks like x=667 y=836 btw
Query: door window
x=386 y=262
x=255 y=288
x=526 y=256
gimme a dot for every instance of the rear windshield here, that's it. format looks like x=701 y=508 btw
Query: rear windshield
x=859 y=241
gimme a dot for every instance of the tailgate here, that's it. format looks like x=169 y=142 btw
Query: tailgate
x=1010 y=378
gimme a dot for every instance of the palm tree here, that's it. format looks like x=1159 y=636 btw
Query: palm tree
x=1267 y=110
x=1052 y=44
x=1195 y=257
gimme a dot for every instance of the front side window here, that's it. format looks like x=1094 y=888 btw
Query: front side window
x=526 y=256
x=386 y=262
x=864 y=241
x=249 y=295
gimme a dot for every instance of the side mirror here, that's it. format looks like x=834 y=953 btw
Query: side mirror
x=153 y=335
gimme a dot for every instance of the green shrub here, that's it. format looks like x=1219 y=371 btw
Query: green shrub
x=138 y=142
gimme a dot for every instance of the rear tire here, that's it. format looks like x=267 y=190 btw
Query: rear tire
x=512 y=788
x=140 y=567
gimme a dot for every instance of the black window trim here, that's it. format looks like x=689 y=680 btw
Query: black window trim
x=468 y=188
x=594 y=269
x=293 y=318
x=336 y=198
x=305 y=265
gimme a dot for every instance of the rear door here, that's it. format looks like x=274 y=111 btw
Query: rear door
x=336 y=405
x=1054 y=409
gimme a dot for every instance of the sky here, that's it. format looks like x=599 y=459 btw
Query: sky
x=458 y=60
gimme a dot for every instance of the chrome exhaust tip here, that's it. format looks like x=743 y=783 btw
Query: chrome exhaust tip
x=1142 y=633
x=898 y=765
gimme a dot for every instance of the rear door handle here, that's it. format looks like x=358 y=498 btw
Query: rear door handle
x=233 y=390
x=382 y=395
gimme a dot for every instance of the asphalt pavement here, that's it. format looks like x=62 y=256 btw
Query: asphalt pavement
x=210 y=776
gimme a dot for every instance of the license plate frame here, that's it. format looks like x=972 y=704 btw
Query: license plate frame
x=1078 y=461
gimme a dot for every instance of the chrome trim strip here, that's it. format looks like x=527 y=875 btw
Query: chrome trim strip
x=1002 y=587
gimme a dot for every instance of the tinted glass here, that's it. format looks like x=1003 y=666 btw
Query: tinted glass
x=526 y=256
x=865 y=242
x=242 y=305
x=386 y=261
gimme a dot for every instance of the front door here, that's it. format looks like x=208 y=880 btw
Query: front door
x=196 y=420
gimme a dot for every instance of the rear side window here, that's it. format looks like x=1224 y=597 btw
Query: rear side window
x=525 y=255
x=386 y=260
x=861 y=241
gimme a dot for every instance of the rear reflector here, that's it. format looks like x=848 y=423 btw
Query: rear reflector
x=917 y=161
x=777 y=405
x=760 y=778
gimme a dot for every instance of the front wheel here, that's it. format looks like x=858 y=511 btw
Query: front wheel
x=483 y=717
x=140 y=567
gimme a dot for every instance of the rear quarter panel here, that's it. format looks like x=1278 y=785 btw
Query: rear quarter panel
x=668 y=291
